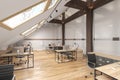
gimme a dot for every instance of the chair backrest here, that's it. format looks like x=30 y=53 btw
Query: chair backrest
x=91 y=59
x=59 y=48
x=6 y=72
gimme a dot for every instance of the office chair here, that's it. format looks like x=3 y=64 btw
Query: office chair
x=91 y=61
x=7 y=72
x=19 y=58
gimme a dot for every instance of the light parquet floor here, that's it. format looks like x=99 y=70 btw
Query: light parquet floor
x=46 y=68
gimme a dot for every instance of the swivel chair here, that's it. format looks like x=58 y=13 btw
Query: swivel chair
x=91 y=61
x=6 y=72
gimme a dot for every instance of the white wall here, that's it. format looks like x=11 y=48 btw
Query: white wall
x=49 y=31
x=76 y=29
x=107 y=26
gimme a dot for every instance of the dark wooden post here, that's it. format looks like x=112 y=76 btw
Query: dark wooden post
x=88 y=7
x=89 y=28
x=63 y=29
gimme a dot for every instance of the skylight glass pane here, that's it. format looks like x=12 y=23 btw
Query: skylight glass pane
x=32 y=29
x=53 y=2
x=41 y=23
x=26 y=15
x=30 y=32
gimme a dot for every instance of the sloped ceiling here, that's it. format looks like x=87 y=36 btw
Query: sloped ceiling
x=10 y=7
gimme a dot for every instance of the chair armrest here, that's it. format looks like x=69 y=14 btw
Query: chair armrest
x=92 y=63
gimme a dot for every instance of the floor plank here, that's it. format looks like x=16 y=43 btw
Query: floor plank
x=46 y=68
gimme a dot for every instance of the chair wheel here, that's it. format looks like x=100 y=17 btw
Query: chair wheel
x=85 y=76
x=91 y=73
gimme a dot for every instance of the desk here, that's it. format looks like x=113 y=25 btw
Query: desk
x=60 y=53
x=55 y=47
x=20 y=54
x=112 y=70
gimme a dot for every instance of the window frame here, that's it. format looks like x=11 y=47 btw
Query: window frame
x=35 y=27
x=9 y=28
x=47 y=7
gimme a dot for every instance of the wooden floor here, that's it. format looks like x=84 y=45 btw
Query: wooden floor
x=46 y=68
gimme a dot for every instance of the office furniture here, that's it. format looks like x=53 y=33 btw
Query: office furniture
x=19 y=58
x=57 y=47
x=6 y=72
x=53 y=48
x=111 y=70
x=96 y=61
x=28 y=55
x=92 y=60
x=5 y=60
x=80 y=53
x=60 y=53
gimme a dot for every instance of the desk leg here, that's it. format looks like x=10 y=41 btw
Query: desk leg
x=12 y=60
x=27 y=61
x=94 y=74
x=73 y=57
x=55 y=56
x=8 y=58
x=61 y=57
x=76 y=55
x=33 y=60
x=58 y=57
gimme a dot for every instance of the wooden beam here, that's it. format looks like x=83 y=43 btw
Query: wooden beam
x=63 y=29
x=84 y=6
x=77 y=4
x=74 y=16
x=99 y=3
x=56 y=21
x=89 y=30
x=47 y=5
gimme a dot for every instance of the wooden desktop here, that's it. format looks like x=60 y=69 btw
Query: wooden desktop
x=28 y=55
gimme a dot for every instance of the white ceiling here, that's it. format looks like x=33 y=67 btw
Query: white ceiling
x=10 y=7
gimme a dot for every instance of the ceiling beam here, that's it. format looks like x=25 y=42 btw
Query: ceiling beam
x=56 y=21
x=99 y=3
x=84 y=7
x=77 y=4
x=74 y=16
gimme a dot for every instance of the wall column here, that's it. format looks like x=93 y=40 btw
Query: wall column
x=63 y=29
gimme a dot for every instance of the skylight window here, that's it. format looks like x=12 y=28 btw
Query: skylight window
x=32 y=29
x=25 y=16
x=53 y=2
x=29 y=31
